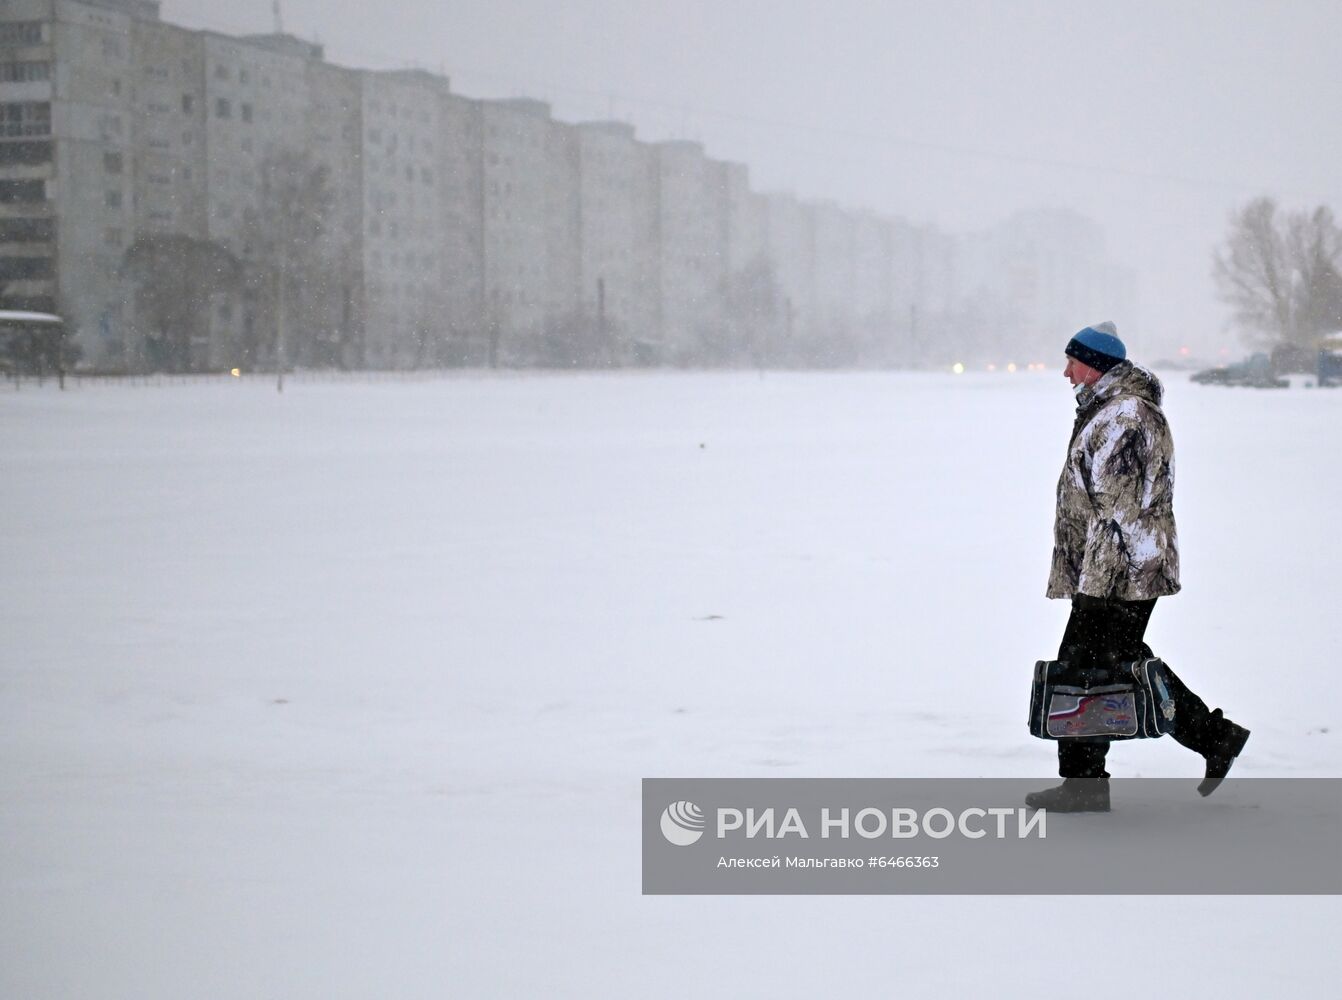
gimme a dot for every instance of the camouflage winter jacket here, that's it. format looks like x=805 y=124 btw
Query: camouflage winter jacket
x=1114 y=531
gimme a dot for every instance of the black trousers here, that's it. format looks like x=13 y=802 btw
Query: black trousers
x=1112 y=633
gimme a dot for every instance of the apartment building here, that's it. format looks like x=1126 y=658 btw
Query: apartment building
x=516 y=143
x=461 y=197
x=404 y=218
x=790 y=225
x=873 y=286
x=67 y=161
x=455 y=230
x=835 y=233
x=617 y=238
x=745 y=225
x=337 y=308
x=690 y=250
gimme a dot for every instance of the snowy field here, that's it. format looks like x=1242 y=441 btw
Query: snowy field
x=347 y=693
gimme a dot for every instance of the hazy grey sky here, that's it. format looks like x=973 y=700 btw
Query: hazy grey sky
x=1154 y=118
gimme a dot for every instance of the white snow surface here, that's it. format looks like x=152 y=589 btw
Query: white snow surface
x=348 y=692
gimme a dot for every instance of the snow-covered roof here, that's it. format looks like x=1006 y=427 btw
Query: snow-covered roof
x=20 y=316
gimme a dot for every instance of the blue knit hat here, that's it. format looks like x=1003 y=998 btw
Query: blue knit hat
x=1097 y=346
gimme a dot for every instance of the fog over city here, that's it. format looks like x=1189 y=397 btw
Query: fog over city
x=1155 y=120
x=468 y=465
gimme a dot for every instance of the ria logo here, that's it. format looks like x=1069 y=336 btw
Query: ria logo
x=682 y=823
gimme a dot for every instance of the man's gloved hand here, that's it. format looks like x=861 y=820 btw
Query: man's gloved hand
x=1084 y=602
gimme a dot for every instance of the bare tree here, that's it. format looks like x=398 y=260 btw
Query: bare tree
x=175 y=277
x=1314 y=241
x=1281 y=273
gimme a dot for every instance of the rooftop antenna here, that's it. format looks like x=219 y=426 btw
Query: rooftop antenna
x=279 y=21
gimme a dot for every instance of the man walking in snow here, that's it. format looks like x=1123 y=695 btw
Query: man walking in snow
x=1116 y=552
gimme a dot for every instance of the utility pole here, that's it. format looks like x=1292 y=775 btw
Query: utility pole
x=279 y=21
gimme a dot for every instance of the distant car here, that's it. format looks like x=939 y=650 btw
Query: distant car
x=1330 y=360
x=1255 y=372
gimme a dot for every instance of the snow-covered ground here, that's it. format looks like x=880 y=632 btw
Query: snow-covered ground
x=348 y=692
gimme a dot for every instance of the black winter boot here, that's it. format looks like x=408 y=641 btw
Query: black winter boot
x=1229 y=741
x=1074 y=795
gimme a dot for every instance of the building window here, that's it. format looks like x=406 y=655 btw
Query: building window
x=223 y=108
x=25 y=268
x=242 y=76
x=246 y=110
x=21 y=33
x=25 y=72
x=27 y=230
x=26 y=153
x=188 y=104
x=113 y=199
x=112 y=236
x=113 y=162
x=15 y=192
x=25 y=118
x=221 y=72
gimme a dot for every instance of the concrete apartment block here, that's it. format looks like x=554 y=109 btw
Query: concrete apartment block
x=461 y=196
x=691 y=254
x=873 y=299
x=256 y=102
x=835 y=234
x=618 y=237
x=66 y=163
x=745 y=223
x=463 y=231
x=564 y=305
x=28 y=182
x=168 y=130
x=751 y=298
x=404 y=218
x=791 y=236
x=517 y=221
x=335 y=141
x=925 y=290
